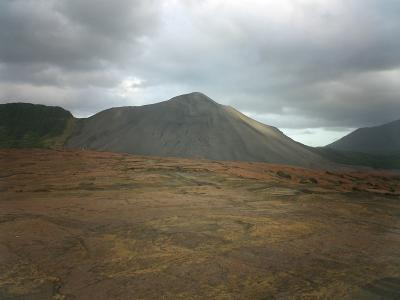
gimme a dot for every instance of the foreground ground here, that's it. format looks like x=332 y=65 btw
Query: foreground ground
x=89 y=225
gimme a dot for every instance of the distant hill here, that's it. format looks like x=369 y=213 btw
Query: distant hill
x=25 y=125
x=191 y=125
x=379 y=140
x=359 y=159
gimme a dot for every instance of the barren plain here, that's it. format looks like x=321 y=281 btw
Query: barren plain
x=95 y=225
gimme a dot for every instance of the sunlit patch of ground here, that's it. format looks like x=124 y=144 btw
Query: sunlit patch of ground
x=90 y=225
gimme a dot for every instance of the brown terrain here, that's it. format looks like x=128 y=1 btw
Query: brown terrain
x=95 y=225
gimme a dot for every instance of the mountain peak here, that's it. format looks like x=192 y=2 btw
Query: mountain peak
x=193 y=98
x=191 y=125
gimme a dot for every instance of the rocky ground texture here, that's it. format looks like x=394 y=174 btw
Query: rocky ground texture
x=92 y=225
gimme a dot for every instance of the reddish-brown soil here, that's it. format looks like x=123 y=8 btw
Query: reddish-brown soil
x=92 y=225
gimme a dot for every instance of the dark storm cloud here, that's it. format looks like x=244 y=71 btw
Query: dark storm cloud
x=63 y=48
x=71 y=33
x=293 y=64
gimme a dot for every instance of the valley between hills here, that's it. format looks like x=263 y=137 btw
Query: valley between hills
x=96 y=225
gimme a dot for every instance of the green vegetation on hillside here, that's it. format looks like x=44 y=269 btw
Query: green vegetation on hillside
x=24 y=125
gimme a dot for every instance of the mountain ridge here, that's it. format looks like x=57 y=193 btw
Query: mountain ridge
x=190 y=125
x=24 y=125
x=383 y=139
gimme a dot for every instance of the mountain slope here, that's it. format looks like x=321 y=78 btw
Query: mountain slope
x=25 y=125
x=190 y=125
x=359 y=159
x=379 y=140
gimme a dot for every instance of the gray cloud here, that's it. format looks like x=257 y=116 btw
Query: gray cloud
x=73 y=34
x=293 y=64
x=71 y=53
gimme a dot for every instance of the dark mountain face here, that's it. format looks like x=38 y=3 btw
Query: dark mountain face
x=190 y=125
x=380 y=140
x=24 y=125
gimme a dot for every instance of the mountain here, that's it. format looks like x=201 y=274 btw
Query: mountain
x=25 y=125
x=359 y=159
x=191 y=125
x=379 y=140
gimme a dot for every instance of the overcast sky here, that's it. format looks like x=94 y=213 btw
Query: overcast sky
x=314 y=68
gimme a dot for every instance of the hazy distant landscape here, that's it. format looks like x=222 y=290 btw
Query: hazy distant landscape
x=213 y=149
